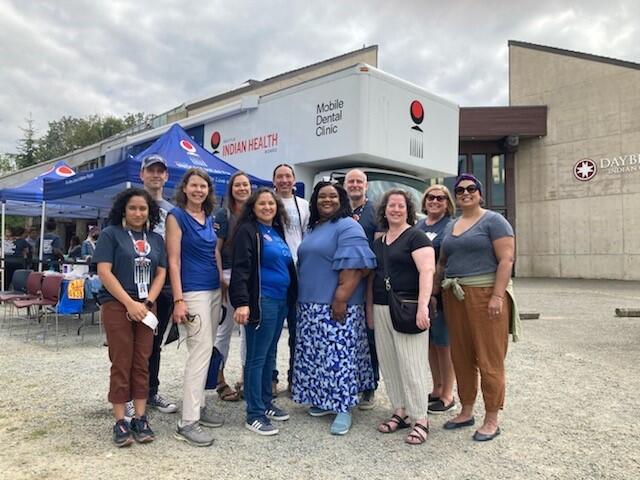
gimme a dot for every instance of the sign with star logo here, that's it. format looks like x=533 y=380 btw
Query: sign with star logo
x=585 y=169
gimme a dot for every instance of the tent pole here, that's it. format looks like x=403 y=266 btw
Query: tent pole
x=3 y=224
x=44 y=211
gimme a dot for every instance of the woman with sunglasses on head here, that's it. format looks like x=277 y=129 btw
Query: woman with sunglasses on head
x=476 y=258
x=226 y=220
x=439 y=208
x=332 y=364
x=132 y=266
x=195 y=270
x=263 y=284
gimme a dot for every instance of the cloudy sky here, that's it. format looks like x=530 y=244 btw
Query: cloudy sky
x=73 y=57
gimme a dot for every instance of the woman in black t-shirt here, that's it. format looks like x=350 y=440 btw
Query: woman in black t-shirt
x=410 y=268
x=132 y=264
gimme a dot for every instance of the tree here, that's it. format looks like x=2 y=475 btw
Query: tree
x=27 y=145
x=68 y=133
x=7 y=163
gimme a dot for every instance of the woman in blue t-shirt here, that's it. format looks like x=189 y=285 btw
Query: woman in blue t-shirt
x=439 y=208
x=195 y=272
x=132 y=265
x=263 y=283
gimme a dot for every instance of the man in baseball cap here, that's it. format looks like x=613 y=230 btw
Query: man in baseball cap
x=153 y=159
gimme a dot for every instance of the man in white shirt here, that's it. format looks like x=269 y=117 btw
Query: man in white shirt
x=284 y=180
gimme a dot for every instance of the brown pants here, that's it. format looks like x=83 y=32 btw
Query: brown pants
x=478 y=343
x=130 y=346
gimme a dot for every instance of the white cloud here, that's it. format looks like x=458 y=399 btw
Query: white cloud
x=81 y=58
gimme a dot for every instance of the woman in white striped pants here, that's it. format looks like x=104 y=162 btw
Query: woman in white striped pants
x=406 y=263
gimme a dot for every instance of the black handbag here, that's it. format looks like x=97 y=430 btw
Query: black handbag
x=403 y=311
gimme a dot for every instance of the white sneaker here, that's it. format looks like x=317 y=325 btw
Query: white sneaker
x=161 y=404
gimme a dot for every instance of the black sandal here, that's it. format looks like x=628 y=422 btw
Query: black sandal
x=415 y=437
x=387 y=427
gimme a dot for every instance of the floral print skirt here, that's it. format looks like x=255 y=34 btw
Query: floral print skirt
x=332 y=364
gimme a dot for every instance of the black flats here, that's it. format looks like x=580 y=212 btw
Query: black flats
x=451 y=425
x=483 y=437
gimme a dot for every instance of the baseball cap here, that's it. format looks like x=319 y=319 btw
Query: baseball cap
x=152 y=160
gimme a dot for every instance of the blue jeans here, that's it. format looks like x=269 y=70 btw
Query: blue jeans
x=262 y=342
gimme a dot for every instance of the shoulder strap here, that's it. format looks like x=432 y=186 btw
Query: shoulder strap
x=295 y=200
x=385 y=261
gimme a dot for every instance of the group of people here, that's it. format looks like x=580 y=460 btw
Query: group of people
x=331 y=268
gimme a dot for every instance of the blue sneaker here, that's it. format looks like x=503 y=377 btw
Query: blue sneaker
x=141 y=430
x=262 y=427
x=341 y=424
x=318 y=412
x=275 y=413
x=122 y=434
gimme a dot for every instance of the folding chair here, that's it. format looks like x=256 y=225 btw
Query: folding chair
x=50 y=294
x=34 y=284
x=19 y=284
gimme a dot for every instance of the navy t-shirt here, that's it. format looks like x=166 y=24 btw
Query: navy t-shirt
x=435 y=232
x=198 y=268
x=274 y=264
x=224 y=223
x=365 y=215
x=115 y=247
x=51 y=242
x=401 y=268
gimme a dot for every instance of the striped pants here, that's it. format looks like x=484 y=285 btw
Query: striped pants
x=404 y=360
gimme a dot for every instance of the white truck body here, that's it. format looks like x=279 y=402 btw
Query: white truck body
x=357 y=117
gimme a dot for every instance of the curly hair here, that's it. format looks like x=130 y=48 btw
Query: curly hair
x=343 y=211
x=411 y=208
x=117 y=212
x=451 y=205
x=281 y=220
x=231 y=201
x=181 y=198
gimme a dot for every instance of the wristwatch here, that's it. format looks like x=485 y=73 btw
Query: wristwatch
x=148 y=304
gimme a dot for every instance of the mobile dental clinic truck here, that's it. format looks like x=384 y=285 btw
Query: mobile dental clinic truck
x=398 y=133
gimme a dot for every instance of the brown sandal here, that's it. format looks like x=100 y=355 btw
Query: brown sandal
x=397 y=420
x=415 y=436
x=239 y=389
x=227 y=394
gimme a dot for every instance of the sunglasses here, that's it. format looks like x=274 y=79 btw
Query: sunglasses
x=440 y=198
x=469 y=189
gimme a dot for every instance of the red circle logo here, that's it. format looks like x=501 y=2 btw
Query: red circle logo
x=585 y=169
x=417 y=112
x=142 y=247
x=215 y=140
x=65 y=171
x=188 y=146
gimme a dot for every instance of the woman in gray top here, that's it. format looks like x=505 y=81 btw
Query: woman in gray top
x=477 y=258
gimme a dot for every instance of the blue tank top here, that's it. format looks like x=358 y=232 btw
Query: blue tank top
x=198 y=269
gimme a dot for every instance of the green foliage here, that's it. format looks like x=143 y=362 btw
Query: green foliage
x=70 y=133
x=7 y=163
x=27 y=145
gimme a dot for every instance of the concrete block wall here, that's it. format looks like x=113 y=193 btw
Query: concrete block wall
x=565 y=227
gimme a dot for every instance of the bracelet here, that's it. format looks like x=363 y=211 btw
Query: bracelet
x=178 y=300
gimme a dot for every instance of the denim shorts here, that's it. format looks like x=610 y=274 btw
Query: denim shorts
x=439 y=333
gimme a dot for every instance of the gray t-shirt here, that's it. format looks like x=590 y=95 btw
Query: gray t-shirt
x=115 y=247
x=471 y=253
x=165 y=208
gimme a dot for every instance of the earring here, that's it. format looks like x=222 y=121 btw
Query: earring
x=124 y=222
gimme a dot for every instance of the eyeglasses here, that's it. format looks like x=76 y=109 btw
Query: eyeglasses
x=469 y=189
x=440 y=198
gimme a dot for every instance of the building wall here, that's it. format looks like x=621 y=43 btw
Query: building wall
x=567 y=227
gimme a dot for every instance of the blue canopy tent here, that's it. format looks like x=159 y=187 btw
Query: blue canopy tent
x=28 y=198
x=97 y=188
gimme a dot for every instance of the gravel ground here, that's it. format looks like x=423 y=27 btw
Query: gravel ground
x=572 y=401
